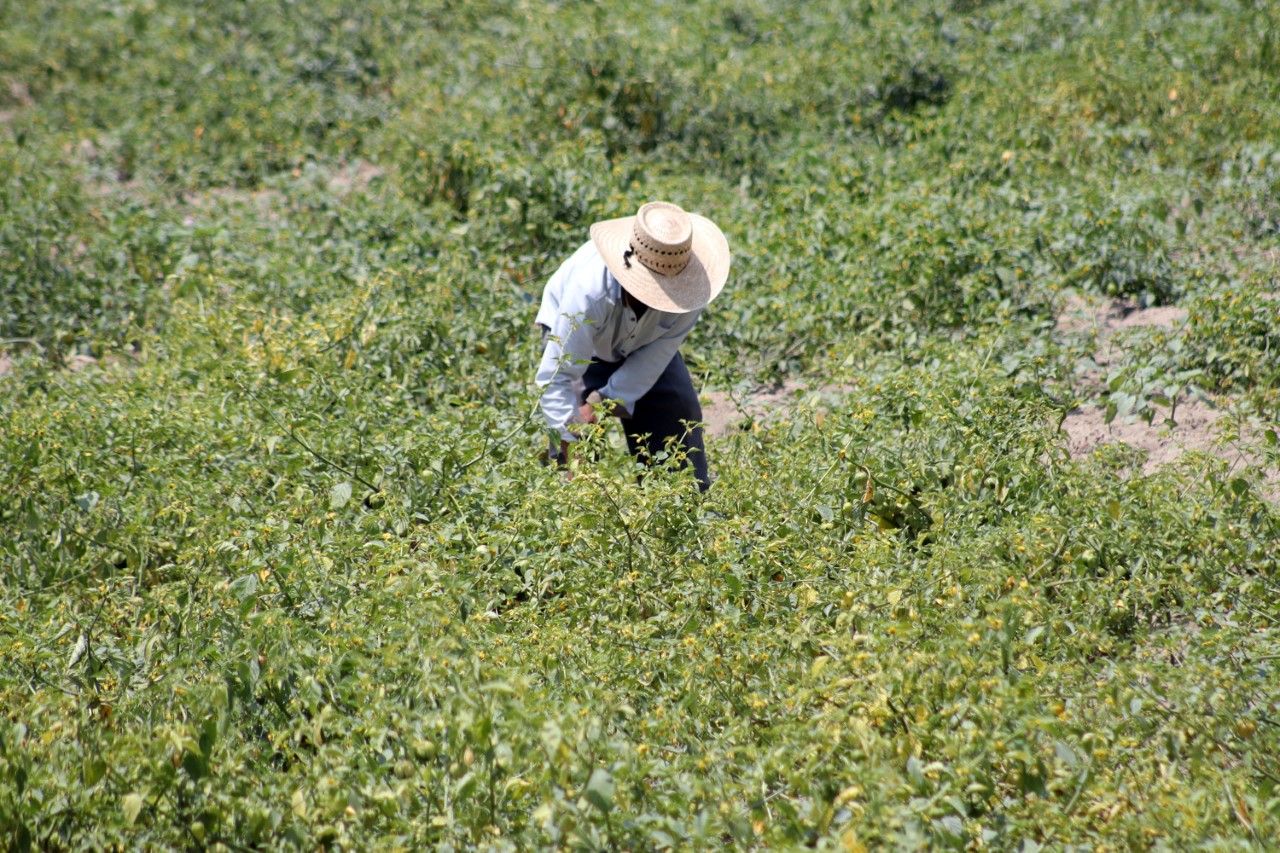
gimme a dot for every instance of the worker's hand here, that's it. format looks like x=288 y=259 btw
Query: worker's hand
x=566 y=460
x=586 y=414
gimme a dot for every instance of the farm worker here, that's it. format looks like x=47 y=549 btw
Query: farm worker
x=613 y=317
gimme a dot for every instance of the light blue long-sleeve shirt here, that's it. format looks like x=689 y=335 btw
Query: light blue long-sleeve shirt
x=584 y=309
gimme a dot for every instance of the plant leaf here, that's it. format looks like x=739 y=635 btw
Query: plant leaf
x=599 y=790
x=132 y=806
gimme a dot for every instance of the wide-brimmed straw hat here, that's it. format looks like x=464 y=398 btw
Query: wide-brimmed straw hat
x=668 y=259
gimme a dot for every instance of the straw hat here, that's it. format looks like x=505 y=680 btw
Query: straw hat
x=668 y=259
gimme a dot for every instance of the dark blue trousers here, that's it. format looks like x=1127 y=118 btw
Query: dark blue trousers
x=659 y=415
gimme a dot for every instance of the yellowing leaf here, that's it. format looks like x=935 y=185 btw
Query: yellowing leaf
x=132 y=806
x=850 y=793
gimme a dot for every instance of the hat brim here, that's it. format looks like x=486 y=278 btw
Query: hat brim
x=690 y=289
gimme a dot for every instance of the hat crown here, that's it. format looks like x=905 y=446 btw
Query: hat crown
x=668 y=259
x=662 y=238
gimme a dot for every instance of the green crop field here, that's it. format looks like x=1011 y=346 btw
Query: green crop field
x=280 y=569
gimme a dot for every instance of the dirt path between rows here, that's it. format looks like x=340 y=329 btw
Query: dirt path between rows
x=723 y=412
x=1197 y=424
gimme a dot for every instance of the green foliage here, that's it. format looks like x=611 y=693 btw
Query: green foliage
x=1236 y=334
x=68 y=270
x=1117 y=250
x=280 y=569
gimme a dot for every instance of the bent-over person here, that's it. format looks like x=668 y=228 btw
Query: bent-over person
x=614 y=316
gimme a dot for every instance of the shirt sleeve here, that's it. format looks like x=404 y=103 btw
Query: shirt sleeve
x=642 y=368
x=568 y=349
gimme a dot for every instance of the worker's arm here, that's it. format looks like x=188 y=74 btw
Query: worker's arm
x=571 y=309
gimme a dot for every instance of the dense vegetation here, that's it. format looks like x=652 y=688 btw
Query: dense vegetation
x=278 y=567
